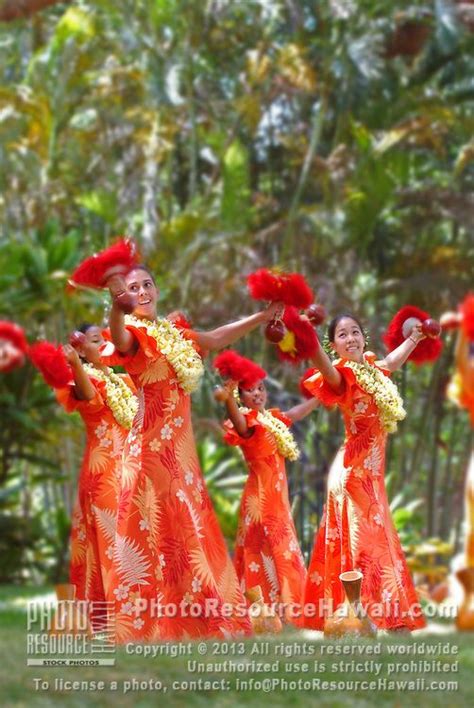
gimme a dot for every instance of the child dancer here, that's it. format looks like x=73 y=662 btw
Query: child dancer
x=267 y=550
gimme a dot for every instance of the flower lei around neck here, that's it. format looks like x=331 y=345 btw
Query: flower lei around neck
x=178 y=351
x=383 y=390
x=285 y=442
x=120 y=399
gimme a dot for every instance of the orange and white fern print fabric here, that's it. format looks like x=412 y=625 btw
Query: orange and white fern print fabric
x=173 y=576
x=357 y=531
x=267 y=552
x=96 y=506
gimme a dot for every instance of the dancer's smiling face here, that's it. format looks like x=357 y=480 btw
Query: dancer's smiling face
x=140 y=283
x=348 y=339
x=254 y=397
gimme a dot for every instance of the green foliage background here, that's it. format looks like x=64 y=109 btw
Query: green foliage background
x=331 y=137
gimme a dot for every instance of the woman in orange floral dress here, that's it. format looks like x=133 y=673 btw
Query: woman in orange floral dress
x=267 y=552
x=173 y=575
x=461 y=392
x=107 y=406
x=357 y=530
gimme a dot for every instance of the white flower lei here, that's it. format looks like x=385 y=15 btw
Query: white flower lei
x=178 y=351
x=120 y=398
x=285 y=442
x=383 y=390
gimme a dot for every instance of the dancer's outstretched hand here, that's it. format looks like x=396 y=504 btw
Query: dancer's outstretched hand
x=72 y=357
x=416 y=333
x=124 y=300
x=274 y=311
x=223 y=393
x=116 y=284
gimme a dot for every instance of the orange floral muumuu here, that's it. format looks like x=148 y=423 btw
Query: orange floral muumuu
x=170 y=552
x=357 y=530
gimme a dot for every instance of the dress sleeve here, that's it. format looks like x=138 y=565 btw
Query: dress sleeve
x=68 y=400
x=137 y=361
x=231 y=436
x=320 y=389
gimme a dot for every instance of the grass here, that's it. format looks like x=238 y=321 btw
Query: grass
x=17 y=679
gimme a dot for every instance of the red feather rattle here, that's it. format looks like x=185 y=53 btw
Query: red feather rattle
x=51 y=362
x=293 y=333
x=13 y=346
x=300 y=340
x=94 y=271
x=274 y=286
x=399 y=329
x=232 y=366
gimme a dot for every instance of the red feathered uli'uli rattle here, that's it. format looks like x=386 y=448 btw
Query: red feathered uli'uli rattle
x=13 y=346
x=117 y=259
x=402 y=324
x=300 y=341
x=293 y=333
x=77 y=339
x=316 y=314
x=232 y=366
x=51 y=362
x=275 y=286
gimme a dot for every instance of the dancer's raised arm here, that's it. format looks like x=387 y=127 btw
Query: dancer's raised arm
x=398 y=356
x=301 y=410
x=225 y=394
x=322 y=362
x=229 y=333
x=121 y=337
x=143 y=289
x=83 y=388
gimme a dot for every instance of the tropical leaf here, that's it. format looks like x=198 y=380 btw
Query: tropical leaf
x=130 y=471
x=157 y=371
x=145 y=499
x=132 y=565
x=195 y=518
x=201 y=567
x=90 y=569
x=228 y=584
x=270 y=572
x=107 y=521
x=99 y=458
x=253 y=508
